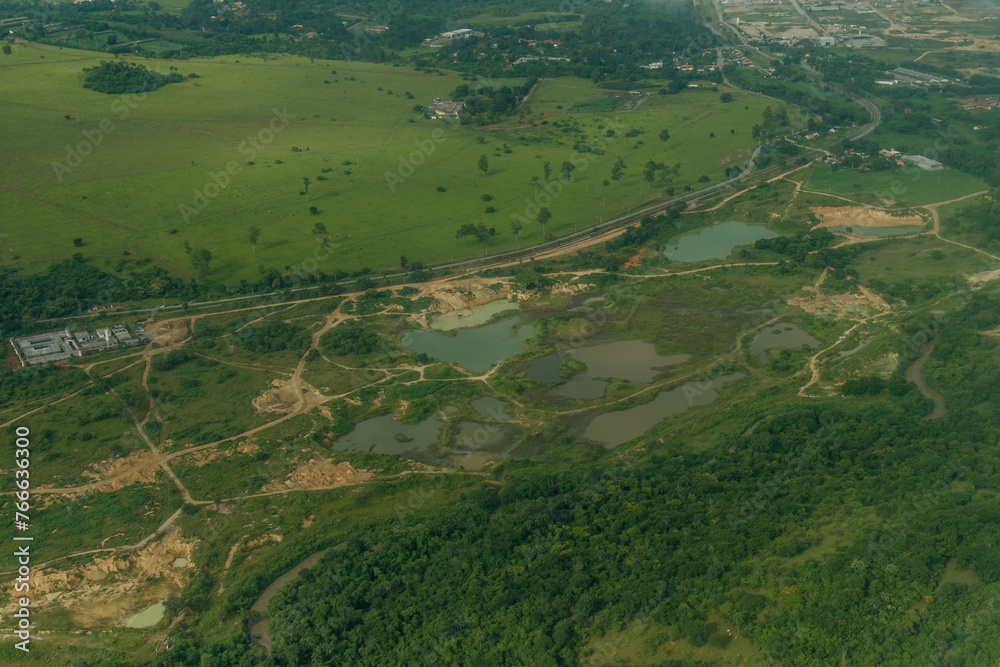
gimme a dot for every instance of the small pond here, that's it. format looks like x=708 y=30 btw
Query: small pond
x=148 y=617
x=489 y=407
x=715 y=242
x=475 y=349
x=385 y=435
x=631 y=360
x=615 y=428
x=781 y=334
x=471 y=317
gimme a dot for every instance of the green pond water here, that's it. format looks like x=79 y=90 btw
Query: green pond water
x=544 y=369
x=879 y=232
x=379 y=435
x=615 y=428
x=490 y=407
x=715 y=242
x=148 y=617
x=471 y=317
x=782 y=334
x=475 y=349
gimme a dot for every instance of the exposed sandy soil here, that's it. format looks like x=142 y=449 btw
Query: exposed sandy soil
x=106 y=591
x=138 y=466
x=282 y=398
x=168 y=331
x=318 y=473
x=466 y=293
x=861 y=216
x=977 y=280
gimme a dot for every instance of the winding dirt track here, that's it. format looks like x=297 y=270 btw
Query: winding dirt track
x=308 y=397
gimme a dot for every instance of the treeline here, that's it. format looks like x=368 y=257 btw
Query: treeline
x=532 y=571
x=73 y=286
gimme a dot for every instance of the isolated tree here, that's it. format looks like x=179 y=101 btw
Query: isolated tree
x=319 y=229
x=313 y=210
x=544 y=215
x=77 y=243
x=567 y=169
x=484 y=164
x=664 y=135
x=254 y=234
x=618 y=169
x=6 y=49
x=516 y=226
x=305 y=186
x=546 y=171
x=726 y=98
x=201 y=259
x=402 y=261
x=650 y=170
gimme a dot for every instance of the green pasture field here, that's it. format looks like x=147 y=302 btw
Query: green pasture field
x=925 y=256
x=202 y=401
x=906 y=185
x=170 y=149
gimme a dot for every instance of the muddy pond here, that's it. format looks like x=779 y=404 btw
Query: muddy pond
x=471 y=317
x=615 y=428
x=632 y=360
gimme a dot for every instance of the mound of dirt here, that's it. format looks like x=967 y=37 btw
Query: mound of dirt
x=461 y=294
x=861 y=216
x=168 y=331
x=282 y=398
x=318 y=473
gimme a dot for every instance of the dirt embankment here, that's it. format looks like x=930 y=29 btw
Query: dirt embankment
x=861 y=216
x=467 y=293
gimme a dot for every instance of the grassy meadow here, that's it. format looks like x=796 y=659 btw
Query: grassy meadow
x=158 y=153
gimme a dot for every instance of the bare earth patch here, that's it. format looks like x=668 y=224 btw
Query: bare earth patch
x=318 y=473
x=167 y=331
x=861 y=216
x=280 y=399
x=977 y=280
x=137 y=467
x=109 y=589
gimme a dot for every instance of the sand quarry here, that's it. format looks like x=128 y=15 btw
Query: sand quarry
x=861 y=216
